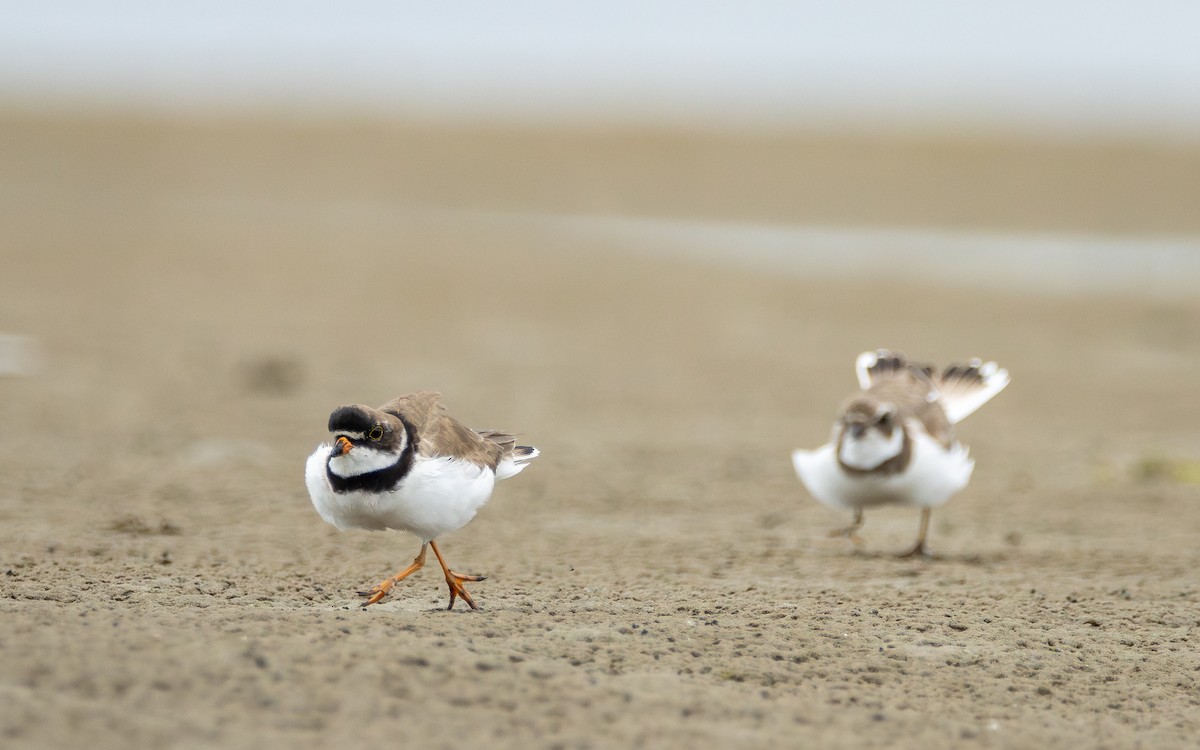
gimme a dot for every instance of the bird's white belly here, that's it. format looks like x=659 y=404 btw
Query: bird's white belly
x=438 y=495
x=932 y=477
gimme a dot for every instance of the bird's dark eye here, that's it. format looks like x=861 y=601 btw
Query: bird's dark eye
x=376 y=433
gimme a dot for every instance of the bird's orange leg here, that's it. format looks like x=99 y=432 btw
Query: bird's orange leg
x=851 y=531
x=388 y=584
x=920 y=550
x=455 y=580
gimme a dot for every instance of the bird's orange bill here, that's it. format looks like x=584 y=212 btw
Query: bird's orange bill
x=342 y=446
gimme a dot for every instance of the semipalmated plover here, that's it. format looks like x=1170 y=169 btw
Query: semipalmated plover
x=409 y=466
x=894 y=441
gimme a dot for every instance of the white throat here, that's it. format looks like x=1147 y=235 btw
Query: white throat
x=361 y=460
x=871 y=449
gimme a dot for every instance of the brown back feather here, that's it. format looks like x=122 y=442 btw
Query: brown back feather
x=909 y=388
x=439 y=434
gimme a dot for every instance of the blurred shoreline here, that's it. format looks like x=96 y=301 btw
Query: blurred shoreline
x=977 y=209
x=960 y=181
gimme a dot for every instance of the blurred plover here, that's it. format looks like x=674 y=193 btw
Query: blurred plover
x=894 y=442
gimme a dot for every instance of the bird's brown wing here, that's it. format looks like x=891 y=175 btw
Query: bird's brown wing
x=439 y=434
x=915 y=397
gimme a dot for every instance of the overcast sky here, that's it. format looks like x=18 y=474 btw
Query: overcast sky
x=1049 y=64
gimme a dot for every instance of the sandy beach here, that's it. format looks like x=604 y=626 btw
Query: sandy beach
x=196 y=297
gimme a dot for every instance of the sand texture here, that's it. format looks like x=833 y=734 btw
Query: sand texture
x=200 y=296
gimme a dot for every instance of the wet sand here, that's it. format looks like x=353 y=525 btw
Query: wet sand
x=204 y=294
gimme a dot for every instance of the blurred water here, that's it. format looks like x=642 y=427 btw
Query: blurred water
x=1047 y=263
x=1052 y=65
